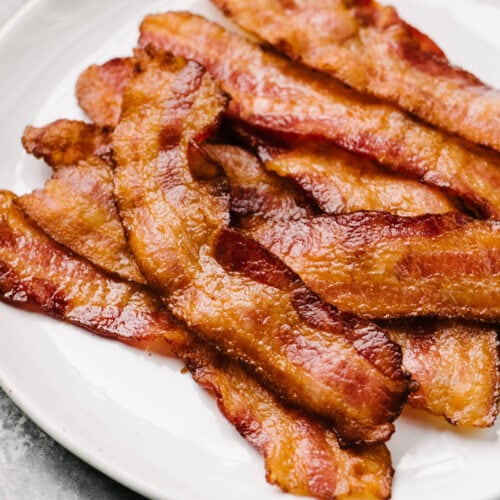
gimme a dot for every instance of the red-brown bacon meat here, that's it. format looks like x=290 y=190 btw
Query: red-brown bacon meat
x=370 y=48
x=225 y=287
x=77 y=208
x=272 y=93
x=302 y=455
x=99 y=90
x=341 y=182
x=384 y=266
x=67 y=142
x=456 y=365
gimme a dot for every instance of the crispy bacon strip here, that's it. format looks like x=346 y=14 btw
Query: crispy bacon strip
x=384 y=266
x=227 y=288
x=370 y=48
x=77 y=209
x=66 y=142
x=275 y=94
x=99 y=90
x=36 y=272
x=302 y=455
x=341 y=182
x=454 y=363
x=456 y=366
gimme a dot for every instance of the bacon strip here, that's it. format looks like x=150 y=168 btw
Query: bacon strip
x=99 y=90
x=456 y=366
x=384 y=266
x=77 y=208
x=302 y=455
x=341 y=182
x=227 y=288
x=273 y=93
x=67 y=142
x=370 y=48
x=36 y=272
x=336 y=180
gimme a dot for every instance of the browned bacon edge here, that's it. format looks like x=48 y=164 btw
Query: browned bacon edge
x=272 y=93
x=99 y=90
x=385 y=266
x=456 y=364
x=369 y=47
x=67 y=142
x=77 y=208
x=341 y=182
x=302 y=455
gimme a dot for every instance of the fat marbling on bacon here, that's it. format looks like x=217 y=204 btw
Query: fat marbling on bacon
x=370 y=48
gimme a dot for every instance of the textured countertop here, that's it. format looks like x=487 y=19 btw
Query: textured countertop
x=32 y=465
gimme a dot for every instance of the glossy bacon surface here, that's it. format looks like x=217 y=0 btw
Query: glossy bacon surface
x=254 y=190
x=341 y=182
x=384 y=266
x=275 y=94
x=66 y=142
x=99 y=90
x=227 y=288
x=77 y=208
x=370 y=48
x=302 y=455
x=38 y=273
x=456 y=365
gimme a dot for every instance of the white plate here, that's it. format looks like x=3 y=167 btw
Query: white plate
x=133 y=414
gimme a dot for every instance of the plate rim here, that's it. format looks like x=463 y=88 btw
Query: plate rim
x=42 y=418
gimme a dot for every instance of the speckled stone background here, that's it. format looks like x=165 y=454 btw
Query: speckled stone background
x=32 y=465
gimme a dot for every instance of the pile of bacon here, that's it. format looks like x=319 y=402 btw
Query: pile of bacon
x=317 y=256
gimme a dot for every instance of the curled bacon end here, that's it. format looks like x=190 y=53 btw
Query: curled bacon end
x=456 y=365
x=38 y=273
x=77 y=209
x=67 y=142
x=99 y=90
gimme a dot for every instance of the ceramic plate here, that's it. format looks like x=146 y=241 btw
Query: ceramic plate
x=133 y=414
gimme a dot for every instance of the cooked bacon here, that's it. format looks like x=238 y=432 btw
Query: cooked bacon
x=77 y=209
x=38 y=273
x=455 y=363
x=227 y=288
x=341 y=182
x=370 y=48
x=272 y=93
x=456 y=366
x=336 y=180
x=66 y=142
x=302 y=455
x=254 y=191
x=385 y=266
x=99 y=90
